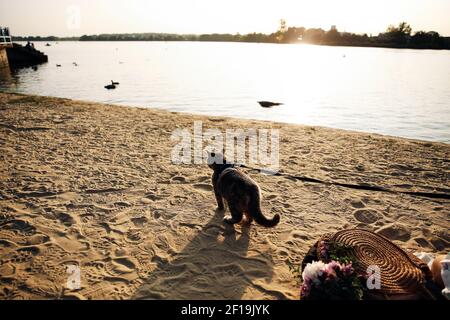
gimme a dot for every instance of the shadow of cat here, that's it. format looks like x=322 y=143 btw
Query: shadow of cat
x=213 y=265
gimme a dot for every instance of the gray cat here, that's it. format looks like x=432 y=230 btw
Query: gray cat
x=241 y=193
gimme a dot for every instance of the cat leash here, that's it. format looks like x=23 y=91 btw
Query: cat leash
x=367 y=187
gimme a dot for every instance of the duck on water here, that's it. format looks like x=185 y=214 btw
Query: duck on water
x=112 y=85
x=268 y=104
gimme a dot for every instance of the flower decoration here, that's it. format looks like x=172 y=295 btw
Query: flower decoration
x=333 y=280
x=333 y=276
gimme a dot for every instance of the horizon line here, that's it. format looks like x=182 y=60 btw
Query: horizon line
x=221 y=33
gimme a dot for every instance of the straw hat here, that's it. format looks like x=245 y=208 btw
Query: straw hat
x=402 y=273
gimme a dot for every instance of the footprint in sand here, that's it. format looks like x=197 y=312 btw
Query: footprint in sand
x=7 y=243
x=139 y=221
x=123 y=290
x=286 y=205
x=422 y=242
x=357 y=204
x=367 y=215
x=133 y=236
x=178 y=179
x=32 y=250
x=438 y=243
x=123 y=265
x=166 y=214
x=38 y=239
x=151 y=196
x=19 y=226
x=203 y=187
x=94 y=271
x=71 y=243
x=122 y=204
x=65 y=218
x=21 y=255
x=120 y=270
x=156 y=214
x=271 y=197
x=203 y=179
x=395 y=232
x=299 y=235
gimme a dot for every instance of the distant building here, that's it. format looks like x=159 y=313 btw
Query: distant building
x=333 y=28
x=16 y=55
x=5 y=37
x=283 y=26
x=5 y=42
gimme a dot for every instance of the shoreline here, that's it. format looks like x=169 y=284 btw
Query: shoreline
x=228 y=117
x=367 y=45
x=92 y=185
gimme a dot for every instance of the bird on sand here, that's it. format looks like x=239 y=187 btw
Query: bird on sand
x=268 y=104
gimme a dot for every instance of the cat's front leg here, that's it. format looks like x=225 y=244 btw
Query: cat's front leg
x=219 y=199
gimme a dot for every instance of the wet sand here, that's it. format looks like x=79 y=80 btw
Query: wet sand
x=93 y=185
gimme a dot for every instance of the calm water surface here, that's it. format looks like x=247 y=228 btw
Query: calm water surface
x=396 y=92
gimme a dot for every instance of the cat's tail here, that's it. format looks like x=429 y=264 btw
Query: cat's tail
x=256 y=213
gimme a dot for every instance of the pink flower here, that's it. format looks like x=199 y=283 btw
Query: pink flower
x=333 y=267
x=318 y=276
x=305 y=289
x=348 y=269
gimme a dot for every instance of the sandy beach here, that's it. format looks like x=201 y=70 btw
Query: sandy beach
x=93 y=185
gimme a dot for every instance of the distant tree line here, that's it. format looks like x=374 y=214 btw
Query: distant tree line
x=48 y=38
x=400 y=36
x=140 y=37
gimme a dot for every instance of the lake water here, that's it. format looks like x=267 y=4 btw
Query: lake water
x=389 y=91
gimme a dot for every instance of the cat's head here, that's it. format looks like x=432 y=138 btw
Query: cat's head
x=215 y=160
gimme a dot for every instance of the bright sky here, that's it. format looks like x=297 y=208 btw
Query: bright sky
x=78 y=17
